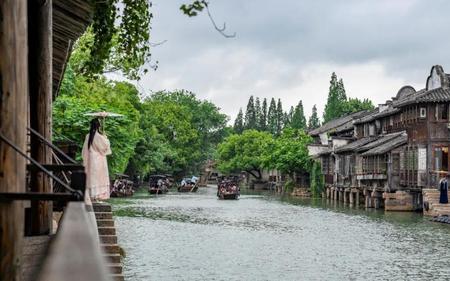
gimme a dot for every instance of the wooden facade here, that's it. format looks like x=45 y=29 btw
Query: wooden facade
x=400 y=147
x=35 y=43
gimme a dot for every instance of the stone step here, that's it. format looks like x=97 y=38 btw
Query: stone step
x=107 y=231
x=111 y=249
x=105 y=223
x=113 y=258
x=102 y=207
x=115 y=268
x=117 y=277
x=103 y=216
x=108 y=239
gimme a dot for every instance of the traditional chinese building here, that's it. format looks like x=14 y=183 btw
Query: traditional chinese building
x=389 y=155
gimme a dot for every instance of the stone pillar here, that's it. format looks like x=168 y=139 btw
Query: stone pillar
x=357 y=198
x=351 y=194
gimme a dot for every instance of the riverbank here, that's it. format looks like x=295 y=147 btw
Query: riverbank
x=266 y=237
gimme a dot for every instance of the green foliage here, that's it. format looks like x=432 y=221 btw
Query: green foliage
x=355 y=105
x=258 y=114
x=78 y=96
x=263 y=119
x=245 y=152
x=317 y=179
x=289 y=186
x=192 y=10
x=250 y=115
x=272 y=118
x=239 y=123
x=117 y=41
x=337 y=103
x=279 y=118
x=313 y=121
x=289 y=152
x=298 y=118
x=180 y=132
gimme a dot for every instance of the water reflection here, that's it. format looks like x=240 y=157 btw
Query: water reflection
x=267 y=237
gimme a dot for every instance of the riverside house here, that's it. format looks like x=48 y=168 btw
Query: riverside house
x=387 y=157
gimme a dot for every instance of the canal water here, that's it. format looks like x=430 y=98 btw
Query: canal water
x=261 y=236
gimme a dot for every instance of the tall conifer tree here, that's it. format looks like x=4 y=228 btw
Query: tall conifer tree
x=299 y=120
x=280 y=117
x=258 y=114
x=337 y=99
x=250 y=115
x=313 y=121
x=239 y=122
x=263 y=120
x=272 y=117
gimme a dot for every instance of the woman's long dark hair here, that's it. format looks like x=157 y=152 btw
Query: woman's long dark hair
x=95 y=126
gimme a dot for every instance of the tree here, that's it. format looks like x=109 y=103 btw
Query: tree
x=336 y=102
x=289 y=152
x=313 y=121
x=288 y=116
x=272 y=117
x=317 y=179
x=263 y=120
x=79 y=96
x=258 y=114
x=279 y=118
x=250 y=115
x=298 y=118
x=180 y=133
x=355 y=105
x=239 y=122
x=245 y=152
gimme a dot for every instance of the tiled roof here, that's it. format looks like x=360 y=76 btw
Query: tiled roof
x=339 y=124
x=435 y=95
x=387 y=146
x=381 y=140
x=367 y=118
x=354 y=145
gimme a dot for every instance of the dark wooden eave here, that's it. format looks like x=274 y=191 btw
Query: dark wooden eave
x=70 y=20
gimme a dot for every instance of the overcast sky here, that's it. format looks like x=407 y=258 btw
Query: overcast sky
x=288 y=48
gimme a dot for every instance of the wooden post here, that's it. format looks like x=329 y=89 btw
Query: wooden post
x=13 y=118
x=40 y=79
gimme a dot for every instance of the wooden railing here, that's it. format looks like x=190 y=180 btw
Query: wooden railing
x=75 y=253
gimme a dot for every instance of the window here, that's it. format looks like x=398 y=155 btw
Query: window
x=443 y=111
x=423 y=112
x=441 y=158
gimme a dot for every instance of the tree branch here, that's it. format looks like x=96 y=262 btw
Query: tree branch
x=220 y=30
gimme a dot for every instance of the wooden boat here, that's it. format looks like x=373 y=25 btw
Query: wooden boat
x=158 y=184
x=122 y=187
x=187 y=185
x=228 y=190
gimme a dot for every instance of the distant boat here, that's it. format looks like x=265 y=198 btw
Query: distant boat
x=228 y=190
x=158 y=184
x=188 y=185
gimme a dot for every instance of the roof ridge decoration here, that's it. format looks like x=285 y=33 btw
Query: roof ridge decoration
x=437 y=78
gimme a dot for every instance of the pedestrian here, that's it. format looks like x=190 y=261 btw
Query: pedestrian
x=96 y=147
x=443 y=189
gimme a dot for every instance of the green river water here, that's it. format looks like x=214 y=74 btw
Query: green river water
x=195 y=236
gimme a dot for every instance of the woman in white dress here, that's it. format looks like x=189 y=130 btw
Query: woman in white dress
x=96 y=147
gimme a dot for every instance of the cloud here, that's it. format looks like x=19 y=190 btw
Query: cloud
x=288 y=49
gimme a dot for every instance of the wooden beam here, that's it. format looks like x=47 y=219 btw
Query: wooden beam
x=75 y=253
x=13 y=120
x=40 y=83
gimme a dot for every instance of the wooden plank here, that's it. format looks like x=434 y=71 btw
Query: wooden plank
x=57 y=167
x=38 y=196
x=13 y=119
x=40 y=83
x=77 y=236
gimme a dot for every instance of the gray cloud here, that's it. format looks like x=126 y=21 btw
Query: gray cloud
x=289 y=48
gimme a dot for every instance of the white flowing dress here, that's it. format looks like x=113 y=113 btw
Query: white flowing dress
x=96 y=166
